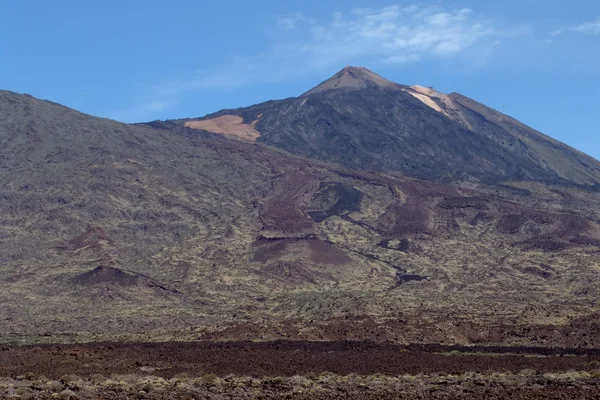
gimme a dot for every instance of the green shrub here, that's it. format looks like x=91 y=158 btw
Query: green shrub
x=147 y=387
x=67 y=395
x=274 y=380
x=313 y=376
x=29 y=376
x=24 y=394
x=527 y=372
x=255 y=383
x=97 y=379
x=53 y=386
x=182 y=377
x=209 y=380
x=66 y=379
x=378 y=377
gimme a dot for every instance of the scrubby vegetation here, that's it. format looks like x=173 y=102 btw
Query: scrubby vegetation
x=323 y=385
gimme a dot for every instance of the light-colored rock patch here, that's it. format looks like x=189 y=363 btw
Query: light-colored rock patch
x=228 y=125
x=448 y=107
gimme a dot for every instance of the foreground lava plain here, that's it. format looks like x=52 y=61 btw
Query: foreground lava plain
x=299 y=370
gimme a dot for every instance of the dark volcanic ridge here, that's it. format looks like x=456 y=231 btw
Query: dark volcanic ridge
x=105 y=275
x=364 y=121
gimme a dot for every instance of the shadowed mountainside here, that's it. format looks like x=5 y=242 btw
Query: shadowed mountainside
x=363 y=121
x=114 y=231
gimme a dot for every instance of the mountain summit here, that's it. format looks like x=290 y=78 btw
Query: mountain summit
x=361 y=120
x=353 y=78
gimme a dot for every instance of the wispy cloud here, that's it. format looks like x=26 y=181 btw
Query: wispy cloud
x=291 y=21
x=394 y=34
x=591 y=28
x=301 y=44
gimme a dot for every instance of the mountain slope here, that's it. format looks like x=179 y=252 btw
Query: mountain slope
x=361 y=120
x=113 y=231
x=568 y=164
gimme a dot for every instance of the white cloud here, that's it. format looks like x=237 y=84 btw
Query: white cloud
x=289 y=21
x=403 y=59
x=589 y=27
x=392 y=34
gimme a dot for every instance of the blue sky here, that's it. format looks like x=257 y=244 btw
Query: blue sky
x=144 y=60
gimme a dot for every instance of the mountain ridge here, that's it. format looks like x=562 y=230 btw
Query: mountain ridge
x=361 y=120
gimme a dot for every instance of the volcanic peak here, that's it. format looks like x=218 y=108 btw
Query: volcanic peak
x=353 y=78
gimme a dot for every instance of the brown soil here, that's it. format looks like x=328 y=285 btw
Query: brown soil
x=229 y=125
x=272 y=359
x=325 y=253
x=321 y=252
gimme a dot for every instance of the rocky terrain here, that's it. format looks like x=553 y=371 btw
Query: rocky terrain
x=363 y=121
x=366 y=240
x=166 y=231
x=297 y=370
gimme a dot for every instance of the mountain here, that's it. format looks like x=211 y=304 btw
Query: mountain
x=354 y=78
x=112 y=231
x=363 y=121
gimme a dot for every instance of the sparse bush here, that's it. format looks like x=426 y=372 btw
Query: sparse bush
x=68 y=395
x=312 y=376
x=527 y=372
x=25 y=395
x=378 y=377
x=182 y=377
x=54 y=386
x=97 y=379
x=274 y=381
x=325 y=377
x=147 y=387
x=66 y=379
x=209 y=380
x=255 y=383
x=595 y=373
x=110 y=383
x=29 y=376
x=594 y=364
